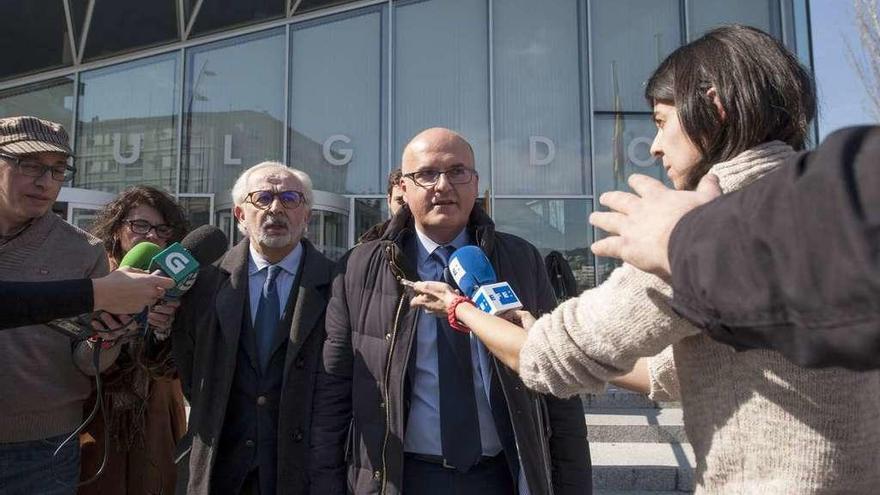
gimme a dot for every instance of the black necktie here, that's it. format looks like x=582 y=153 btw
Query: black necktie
x=459 y=422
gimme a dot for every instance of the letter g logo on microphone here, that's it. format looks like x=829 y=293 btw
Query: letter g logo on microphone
x=176 y=262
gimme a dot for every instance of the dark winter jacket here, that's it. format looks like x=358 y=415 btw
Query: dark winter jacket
x=791 y=262
x=361 y=400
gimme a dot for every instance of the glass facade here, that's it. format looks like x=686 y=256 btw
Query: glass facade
x=551 y=98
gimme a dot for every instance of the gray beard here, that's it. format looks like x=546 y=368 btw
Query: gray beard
x=292 y=236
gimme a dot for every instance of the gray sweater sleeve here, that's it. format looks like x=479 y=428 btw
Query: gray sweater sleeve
x=599 y=335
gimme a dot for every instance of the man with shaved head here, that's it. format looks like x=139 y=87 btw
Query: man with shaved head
x=406 y=404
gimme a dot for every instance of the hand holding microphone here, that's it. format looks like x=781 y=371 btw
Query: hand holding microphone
x=128 y=290
x=503 y=334
x=472 y=272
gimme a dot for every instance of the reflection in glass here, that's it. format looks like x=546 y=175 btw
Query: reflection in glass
x=367 y=213
x=34 y=36
x=49 y=100
x=629 y=40
x=218 y=14
x=197 y=209
x=441 y=74
x=83 y=218
x=127 y=125
x=707 y=14
x=622 y=147
x=552 y=225
x=328 y=231
x=121 y=25
x=234 y=104
x=538 y=138
x=335 y=103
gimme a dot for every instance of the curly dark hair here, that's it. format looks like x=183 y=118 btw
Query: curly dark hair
x=110 y=219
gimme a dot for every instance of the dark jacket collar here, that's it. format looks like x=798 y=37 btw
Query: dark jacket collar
x=480 y=227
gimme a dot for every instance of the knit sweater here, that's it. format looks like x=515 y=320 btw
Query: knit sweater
x=42 y=391
x=757 y=423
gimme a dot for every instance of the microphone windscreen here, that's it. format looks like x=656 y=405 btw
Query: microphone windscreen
x=471 y=269
x=206 y=243
x=140 y=255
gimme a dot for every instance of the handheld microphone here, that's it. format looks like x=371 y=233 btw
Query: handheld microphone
x=181 y=261
x=79 y=327
x=474 y=275
x=140 y=255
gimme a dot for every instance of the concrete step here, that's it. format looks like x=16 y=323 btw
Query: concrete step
x=618 y=398
x=642 y=466
x=618 y=425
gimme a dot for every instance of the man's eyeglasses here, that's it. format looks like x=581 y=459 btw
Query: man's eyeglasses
x=143 y=227
x=429 y=177
x=33 y=168
x=264 y=199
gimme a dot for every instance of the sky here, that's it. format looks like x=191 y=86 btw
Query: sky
x=843 y=100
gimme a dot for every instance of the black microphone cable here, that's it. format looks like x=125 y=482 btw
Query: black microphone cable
x=98 y=407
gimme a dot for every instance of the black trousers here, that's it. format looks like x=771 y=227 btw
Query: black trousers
x=490 y=477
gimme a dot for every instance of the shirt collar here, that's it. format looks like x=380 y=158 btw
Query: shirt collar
x=289 y=263
x=427 y=246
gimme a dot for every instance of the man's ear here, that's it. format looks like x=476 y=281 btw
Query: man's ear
x=712 y=94
x=238 y=213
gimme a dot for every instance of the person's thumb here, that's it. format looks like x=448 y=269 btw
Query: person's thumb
x=709 y=187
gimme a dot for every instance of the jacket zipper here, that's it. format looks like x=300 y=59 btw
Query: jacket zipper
x=387 y=378
x=387 y=396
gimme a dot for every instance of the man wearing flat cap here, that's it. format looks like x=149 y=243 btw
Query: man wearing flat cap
x=44 y=380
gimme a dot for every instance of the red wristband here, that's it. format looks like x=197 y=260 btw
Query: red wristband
x=450 y=314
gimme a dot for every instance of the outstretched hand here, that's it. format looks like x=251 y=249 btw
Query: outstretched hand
x=640 y=224
x=434 y=297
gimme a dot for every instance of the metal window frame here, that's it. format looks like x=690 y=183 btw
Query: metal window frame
x=788 y=27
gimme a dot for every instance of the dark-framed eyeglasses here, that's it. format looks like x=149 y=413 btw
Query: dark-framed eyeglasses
x=143 y=227
x=33 y=168
x=429 y=177
x=264 y=199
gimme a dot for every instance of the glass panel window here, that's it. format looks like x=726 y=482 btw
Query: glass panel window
x=328 y=231
x=197 y=209
x=367 y=213
x=538 y=135
x=623 y=148
x=84 y=218
x=629 y=40
x=218 y=14
x=441 y=74
x=335 y=108
x=234 y=111
x=121 y=25
x=308 y=5
x=127 y=125
x=50 y=100
x=552 y=225
x=707 y=14
x=34 y=36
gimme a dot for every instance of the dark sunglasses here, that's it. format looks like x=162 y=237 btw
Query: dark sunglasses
x=143 y=227
x=264 y=199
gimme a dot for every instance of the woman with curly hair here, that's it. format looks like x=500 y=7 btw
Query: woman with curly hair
x=142 y=396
